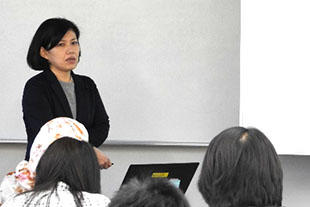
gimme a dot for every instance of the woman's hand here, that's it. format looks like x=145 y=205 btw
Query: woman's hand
x=103 y=160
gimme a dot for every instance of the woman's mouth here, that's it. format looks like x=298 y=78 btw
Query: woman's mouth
x=71 y=60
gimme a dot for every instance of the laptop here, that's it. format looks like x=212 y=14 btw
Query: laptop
x=180 y=174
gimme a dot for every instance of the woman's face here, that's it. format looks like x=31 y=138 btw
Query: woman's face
x=64 y=57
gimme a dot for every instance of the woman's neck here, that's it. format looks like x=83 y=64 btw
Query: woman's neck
x=64 y=76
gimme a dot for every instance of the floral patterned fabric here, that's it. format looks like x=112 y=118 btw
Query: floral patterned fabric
x=23 y=178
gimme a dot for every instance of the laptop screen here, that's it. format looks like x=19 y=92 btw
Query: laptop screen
x=179 y=174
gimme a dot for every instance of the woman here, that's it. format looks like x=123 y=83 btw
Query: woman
x=23 y=178
x=241 y=169
x=68 y=174
x=57 y=91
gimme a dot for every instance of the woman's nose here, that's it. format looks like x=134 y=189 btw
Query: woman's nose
x=71 y=49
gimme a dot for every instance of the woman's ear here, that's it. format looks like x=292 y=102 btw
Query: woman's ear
x=43 y=53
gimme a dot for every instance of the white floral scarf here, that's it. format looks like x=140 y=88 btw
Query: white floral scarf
x=23 y=178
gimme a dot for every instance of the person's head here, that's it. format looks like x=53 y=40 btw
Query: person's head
x=24 y=176
x=152 y=192
x=55 y=45
x=241 y=168
x=51 y=131
x=70 y=161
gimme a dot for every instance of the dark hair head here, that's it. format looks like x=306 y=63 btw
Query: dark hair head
x=241 y=168
x=72 y=162
x=152 y=192
x=49 y=33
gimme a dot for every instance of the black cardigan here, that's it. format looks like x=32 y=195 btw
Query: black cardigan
x=44 y=99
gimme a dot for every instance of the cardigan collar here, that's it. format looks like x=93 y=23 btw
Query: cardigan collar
x=52 y=77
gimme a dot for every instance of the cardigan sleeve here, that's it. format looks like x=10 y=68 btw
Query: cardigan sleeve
x=36 y=110
x=98 y=131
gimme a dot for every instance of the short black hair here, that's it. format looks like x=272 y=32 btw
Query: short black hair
x=150 y=192
x=49 y=33
x=72 y=162
x=241 y=168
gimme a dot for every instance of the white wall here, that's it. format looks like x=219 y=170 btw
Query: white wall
x=165 y=64
x=274 y=72
x=296 y=168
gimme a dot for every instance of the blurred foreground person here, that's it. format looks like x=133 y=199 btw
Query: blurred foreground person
x=241 y=169
x=68 y=175
x=152 y=192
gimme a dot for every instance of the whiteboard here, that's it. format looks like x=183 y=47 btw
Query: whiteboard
x=275 y=71
x=167 y=70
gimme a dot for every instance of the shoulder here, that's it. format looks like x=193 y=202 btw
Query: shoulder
x=17 y=200
x=83 y=80
x=38 y=84
x=40 y=78
x=95 y=199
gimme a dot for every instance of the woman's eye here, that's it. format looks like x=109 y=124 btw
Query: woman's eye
x=61 y=44
x=75 y=43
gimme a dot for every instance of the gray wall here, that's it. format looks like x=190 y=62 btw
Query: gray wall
x=296 y=168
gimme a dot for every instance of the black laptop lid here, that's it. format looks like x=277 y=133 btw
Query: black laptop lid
x=180 y=174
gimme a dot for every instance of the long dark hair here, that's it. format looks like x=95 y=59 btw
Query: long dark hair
x=72 y=162
x=241 y=168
